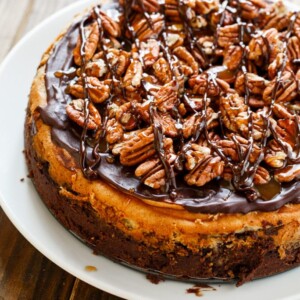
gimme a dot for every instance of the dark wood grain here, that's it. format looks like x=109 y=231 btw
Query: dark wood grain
x=26 y=274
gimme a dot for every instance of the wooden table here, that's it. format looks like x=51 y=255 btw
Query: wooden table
x=24 y=272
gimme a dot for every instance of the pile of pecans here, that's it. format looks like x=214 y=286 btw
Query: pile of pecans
x=204 y=89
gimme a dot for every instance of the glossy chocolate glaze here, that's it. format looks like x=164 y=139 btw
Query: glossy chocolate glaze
x=215 y=197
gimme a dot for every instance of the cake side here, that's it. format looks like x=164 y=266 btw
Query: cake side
x=241 y=256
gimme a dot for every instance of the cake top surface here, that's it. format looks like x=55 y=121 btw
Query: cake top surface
x=193 y=102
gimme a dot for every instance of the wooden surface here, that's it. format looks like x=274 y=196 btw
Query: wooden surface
x=24 y=272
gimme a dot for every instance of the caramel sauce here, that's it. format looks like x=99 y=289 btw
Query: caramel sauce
x=90 y=268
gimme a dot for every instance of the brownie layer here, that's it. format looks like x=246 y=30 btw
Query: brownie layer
x=241 y=256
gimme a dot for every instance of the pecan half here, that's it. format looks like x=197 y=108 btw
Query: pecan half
x=281 y=112
x=149 y=6
x=119 y=60
x=194 y=123
x=233 y=57
x=275 y=157
x=195 y=103
x=234 y=112
x=264 y=47
x=256 y=102
x=297 y=26
x=204 y=7
x=286 y=130
x=262 y=176
x=206 y=83
x=109 y=25
x=75 y=111
x=288 y=173
x=174 y=40
x=226 y=18
x=278 y=65
x=143 y=109
x=228 y=35
x=195 y=155
x=236 y=147
x=184 y=55
x=143 y=30
x=126 y=116
x=91 y=42
x=287 y=88
x=171 y=11
x=97 y=90
x=114 y=131
x=212 y=137
x=96 y=68
x=206 y=170
x=167 y=123
x=152 y=170
x=207 y=45
x=166 y=97
x=254 y=83
x=251 y=9
x=198 y=22
x=294 y=47
x=161 y=70
x=277 y=18
x=133 y=76
x=136 y=147
x=150 y=52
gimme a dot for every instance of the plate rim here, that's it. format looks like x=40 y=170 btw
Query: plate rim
x=110 y=288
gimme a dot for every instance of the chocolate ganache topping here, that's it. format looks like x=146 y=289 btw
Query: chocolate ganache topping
x=188 y=102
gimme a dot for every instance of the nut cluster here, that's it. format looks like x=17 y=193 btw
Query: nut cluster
x=204 y=89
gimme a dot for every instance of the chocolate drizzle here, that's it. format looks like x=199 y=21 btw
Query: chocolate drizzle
x=278 y=83
x=95 y=159
x=86 y=166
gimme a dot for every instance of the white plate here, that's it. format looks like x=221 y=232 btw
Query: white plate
x=24 y=208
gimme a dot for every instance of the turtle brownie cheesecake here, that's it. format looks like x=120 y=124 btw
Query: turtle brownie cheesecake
x=166 y=135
